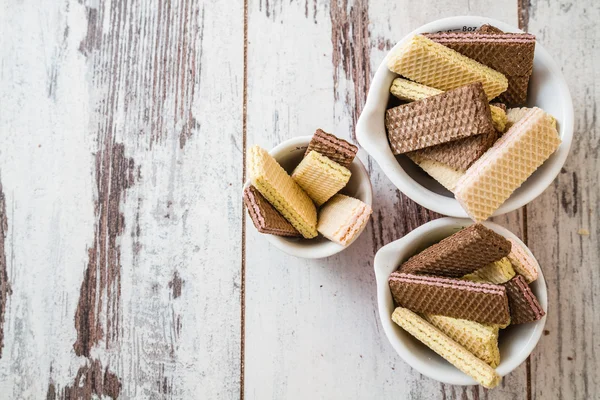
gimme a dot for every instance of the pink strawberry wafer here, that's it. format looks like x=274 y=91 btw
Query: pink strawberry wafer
x=522 y=262
x=485 y=303
x=524 y=306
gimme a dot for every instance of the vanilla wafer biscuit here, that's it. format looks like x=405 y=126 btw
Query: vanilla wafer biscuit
x=271 y=180
x=320 y=177
x=449 y=116
x=464 y=252
x=523 y=264
x=432 y=64
x=447 y=348
x=332 y=147
x=498 y=272
x=524 y=306
x=410 y=91
x=513 y=115
x=499 y=118
x=342 y=219
x=506 y=165
x=264 y=216
x=479 y=339
x=481 y=302
x=442 y=173
x=508 y=53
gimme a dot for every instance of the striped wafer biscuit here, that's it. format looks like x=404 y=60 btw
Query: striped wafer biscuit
x=498 y=272
x=513 y=115
x=442 y=173
x=479 y=339
x=411 y=91
x=506 y=165
x=320 y=177
x=281 y=191
x=449 y=116
x=524 y=306
x=464 y=252
x=522 y=262
x=487 y=28
x=332 y=147
x=265 y=217
x=481 y=302
x=432 y=64
x=508 y=53
x=342 y=219
x=453 y=352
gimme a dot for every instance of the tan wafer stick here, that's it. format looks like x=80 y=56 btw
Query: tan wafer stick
x=320 y=177
x=442 y=173
x=522 y=262
x=498 y=272
x=453 y=352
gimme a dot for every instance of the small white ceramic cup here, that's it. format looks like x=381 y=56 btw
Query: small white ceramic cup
x=547 y=90
x=289 y=154
x=516 y=341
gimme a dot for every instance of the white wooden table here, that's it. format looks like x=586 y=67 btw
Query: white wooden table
x=127 y=267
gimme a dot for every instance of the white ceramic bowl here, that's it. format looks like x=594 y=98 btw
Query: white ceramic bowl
x=547 y=90
x=289 y=154
x=516 y=342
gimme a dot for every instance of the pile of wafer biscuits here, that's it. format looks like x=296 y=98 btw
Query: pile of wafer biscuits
x=457 y=296
x=307 y=202
x=454 y=123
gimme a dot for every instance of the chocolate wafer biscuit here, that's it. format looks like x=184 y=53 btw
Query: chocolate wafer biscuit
x=487 y=28
x=485 y=303
x=524 y=306
x=265 y=217
x=449 y=116
x=332 y=147
x=462 y=253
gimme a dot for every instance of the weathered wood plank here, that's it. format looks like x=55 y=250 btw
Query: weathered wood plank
x=563 y=228
x=312 y=327
x=124 y=243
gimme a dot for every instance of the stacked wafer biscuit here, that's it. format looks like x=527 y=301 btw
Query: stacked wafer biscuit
x=458 y=294
x=480 y=151
x=306 y=203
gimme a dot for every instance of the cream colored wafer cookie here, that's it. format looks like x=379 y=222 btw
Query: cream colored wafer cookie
x=320 y=177
x=506 y=165
x=442 y=173
x=479 y=339
x=271 y=180
x=522 y=262
x=513 y=115
x=499 y=118
x=342 y=219
x=432 y=64
x=443 y=345
x=498 y=272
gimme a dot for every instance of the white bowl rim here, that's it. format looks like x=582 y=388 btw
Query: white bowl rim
x=420 y=364
x=449 y=205
x=325 y=249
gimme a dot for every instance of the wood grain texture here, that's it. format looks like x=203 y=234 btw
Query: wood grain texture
x=563 y=227
x=4 y=283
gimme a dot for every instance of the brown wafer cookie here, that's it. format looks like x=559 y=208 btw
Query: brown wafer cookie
x=460 y=254
x=508 y=53
x=265 y=217
x=485 y=303
x=487 y=28
x=524 y=306
x=452 y=115
x=459 y=154
x=332 y=147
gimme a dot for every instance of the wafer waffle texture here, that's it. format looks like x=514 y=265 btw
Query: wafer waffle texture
x=513 y=115
x=506 y=165
x=332 y=147
x=524 y=306
x=441 y=172
x=447 y=348
x=498 y=272
x=432 y=64
x=479 y=339
x=271 y=180
x=412 y=91
x=508 y=53
x=342 y=218
x=522 y=262
x=481 y=302
x=320 y=177
x=265 y=217
x=449 y=116
x=462 y=253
